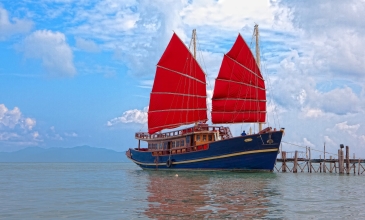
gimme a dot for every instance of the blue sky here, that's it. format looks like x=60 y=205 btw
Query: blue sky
x=80 y=72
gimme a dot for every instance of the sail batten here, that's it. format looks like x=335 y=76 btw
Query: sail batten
x=236 y=99
x=239 y=94
x=243 y=66
x=235 y=112
x=178 y=94
x=242 y=83
x=181 y=74
x=182 y=109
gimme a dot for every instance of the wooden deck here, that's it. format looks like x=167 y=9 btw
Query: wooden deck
x=341 y=164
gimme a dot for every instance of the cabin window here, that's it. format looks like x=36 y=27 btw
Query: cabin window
x=182 y=143
x=187 y=140
x=198 y=138
x=177 y=143
x=210 y=137
x=204 y=138
x=173 y=144
x=165 y=145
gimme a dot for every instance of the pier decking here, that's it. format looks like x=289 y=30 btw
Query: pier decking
x=299 y=161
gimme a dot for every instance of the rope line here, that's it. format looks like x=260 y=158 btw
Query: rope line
x=309 y=147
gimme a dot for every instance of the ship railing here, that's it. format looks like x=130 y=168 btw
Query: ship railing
x=180 y=150
x=224 y=132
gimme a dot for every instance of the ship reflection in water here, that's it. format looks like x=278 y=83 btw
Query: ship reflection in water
x=210 y=195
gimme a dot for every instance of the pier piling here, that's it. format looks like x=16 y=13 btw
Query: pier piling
x=290 y=161
x=283 y=166
x=347 y=160
x=324 y=158
x=295 y=162
x=340 y=168
x=358 y=169
x=331 y=165
x=320 y=164
x=310 y=161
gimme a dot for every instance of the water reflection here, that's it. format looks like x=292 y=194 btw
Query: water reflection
x=209 y=195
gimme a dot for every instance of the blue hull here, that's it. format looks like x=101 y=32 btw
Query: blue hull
x=243 y=153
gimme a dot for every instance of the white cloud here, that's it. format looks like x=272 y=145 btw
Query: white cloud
x=338 y=101
x=53 y=134
x=362 y=138
x=9 y=119
x=29 y=123
x=146 y=84
x=302 y=96
x=6 y=136
x=350 y=129
x=295 y=87
x=35 y=134
x=312 y=113
x=230 y=14
x=87 y=45
x=331 y=34
x=130 y=116
x=15 y=129
x=71 y=134
x=307 y=143
x=52 y=49
x=328 y=140
x=15 y=26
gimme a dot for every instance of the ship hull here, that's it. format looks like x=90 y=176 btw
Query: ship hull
x=250 y=153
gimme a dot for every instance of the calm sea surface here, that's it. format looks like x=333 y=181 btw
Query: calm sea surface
x=124 y=191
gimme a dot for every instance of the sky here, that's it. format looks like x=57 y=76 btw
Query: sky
x=81 y=72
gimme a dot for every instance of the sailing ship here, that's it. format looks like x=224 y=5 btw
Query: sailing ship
x=179 y=98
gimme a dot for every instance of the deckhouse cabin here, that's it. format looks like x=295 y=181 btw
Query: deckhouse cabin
x=186 y=140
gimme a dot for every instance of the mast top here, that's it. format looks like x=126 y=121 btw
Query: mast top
x=257 y=56
x=193 y=37
x=257 y=45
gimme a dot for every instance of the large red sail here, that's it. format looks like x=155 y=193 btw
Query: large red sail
x=179 y=91
x=239 y=93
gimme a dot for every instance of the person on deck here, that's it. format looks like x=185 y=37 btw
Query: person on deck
x=243 y=133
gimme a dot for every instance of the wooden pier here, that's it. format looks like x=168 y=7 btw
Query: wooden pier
x=299 y=161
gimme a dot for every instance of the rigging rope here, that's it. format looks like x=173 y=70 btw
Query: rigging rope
x=270 y=89
x=309 y=147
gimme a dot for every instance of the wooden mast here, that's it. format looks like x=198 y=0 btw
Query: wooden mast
x=258 y=56
x=193 y=38
x=194 y=42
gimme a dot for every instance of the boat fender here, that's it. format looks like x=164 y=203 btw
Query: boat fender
x=168 y=163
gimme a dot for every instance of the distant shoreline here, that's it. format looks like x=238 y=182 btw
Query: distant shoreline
x=79 y=154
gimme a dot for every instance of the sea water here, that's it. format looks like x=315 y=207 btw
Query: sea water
x=124 y=191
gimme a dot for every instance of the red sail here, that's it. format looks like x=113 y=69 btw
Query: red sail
x=239 y=92
x=179 y=91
